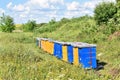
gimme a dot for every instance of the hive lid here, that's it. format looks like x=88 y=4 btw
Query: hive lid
x=38 y=38
x=41 y=38
x=81 y=45
x=50 y=40
x=63 y=43
x=45 y=39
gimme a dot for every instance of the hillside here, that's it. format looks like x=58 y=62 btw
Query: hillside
x=20 y=59
x=84 y=29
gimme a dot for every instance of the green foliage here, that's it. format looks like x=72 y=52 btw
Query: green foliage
x=117 y=15
x=20 y=59
x=52 y=21
x=7 y=23
x=64 y=20
x=104 y=12
x=29 y=26
x=41 y=24
x=117 y=1
x=51 y=26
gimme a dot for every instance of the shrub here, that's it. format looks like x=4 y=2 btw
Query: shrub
x=104 y=11
x=117 y=15
x=7 y=23
x=64 y=20
x=48 y=27
x=29 y=26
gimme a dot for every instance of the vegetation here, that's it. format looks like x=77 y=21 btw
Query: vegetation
x=51 y=26
x=20 y=59
x=6 y=23
x=104 y=12
x=29 y=26
x=117 y=15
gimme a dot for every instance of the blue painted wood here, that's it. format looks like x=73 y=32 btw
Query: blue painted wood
x=87 y=57
x=58 y=50
x=70 y=53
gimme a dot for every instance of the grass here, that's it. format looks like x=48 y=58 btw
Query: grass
x=18 y=26
x=20 y=59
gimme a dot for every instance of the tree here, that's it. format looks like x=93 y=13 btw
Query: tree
x=30 y=25
x=7 y=23
x=53 y=21
x=64 y=20
x=117 y=1
x=104 y=12
x=117 y=15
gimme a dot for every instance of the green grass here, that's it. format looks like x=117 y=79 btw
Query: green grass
x=20 y=59
x=0 y=30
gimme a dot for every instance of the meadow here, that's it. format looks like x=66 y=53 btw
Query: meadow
x=21 y=59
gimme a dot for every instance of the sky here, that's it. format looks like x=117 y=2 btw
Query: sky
x=44 y=10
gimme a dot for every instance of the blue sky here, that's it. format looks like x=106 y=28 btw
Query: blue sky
x=45 y=10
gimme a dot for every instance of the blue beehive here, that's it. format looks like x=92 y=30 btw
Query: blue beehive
x=70 y=53
x=73 y=52
x=87 y=55
x=58 y=49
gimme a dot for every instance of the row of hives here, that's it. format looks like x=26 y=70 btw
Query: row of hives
x=72 y=52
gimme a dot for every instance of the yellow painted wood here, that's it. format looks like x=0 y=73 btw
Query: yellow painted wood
x=46 y=46
x=42 y=44
x=65 y=55
x=76 y=56
x=51 y=45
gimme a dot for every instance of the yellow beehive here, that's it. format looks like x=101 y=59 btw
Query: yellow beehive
x=42 y=44
x=75 y=56
x=51 y=45
x=48 y=49
x=47 y=46
x=65 y=55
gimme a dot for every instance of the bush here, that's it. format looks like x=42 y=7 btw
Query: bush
x=7 y=23
x=117 y=15
x=104 y=11
x=29 y=26
x=48 y=27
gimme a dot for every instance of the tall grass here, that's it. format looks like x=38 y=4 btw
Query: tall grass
x=21 y=59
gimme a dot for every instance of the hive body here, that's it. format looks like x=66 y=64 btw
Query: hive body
x=71 y=52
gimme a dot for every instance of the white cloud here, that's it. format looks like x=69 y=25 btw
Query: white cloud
x=38 y=3
x=9 y=5
x=2 y=11
x=57 y=1
x=22 y=15
x=90 y=5
x=19 y=7
x=109 y=0
x=45 y=10
x=76 y=8
x=73 y=6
